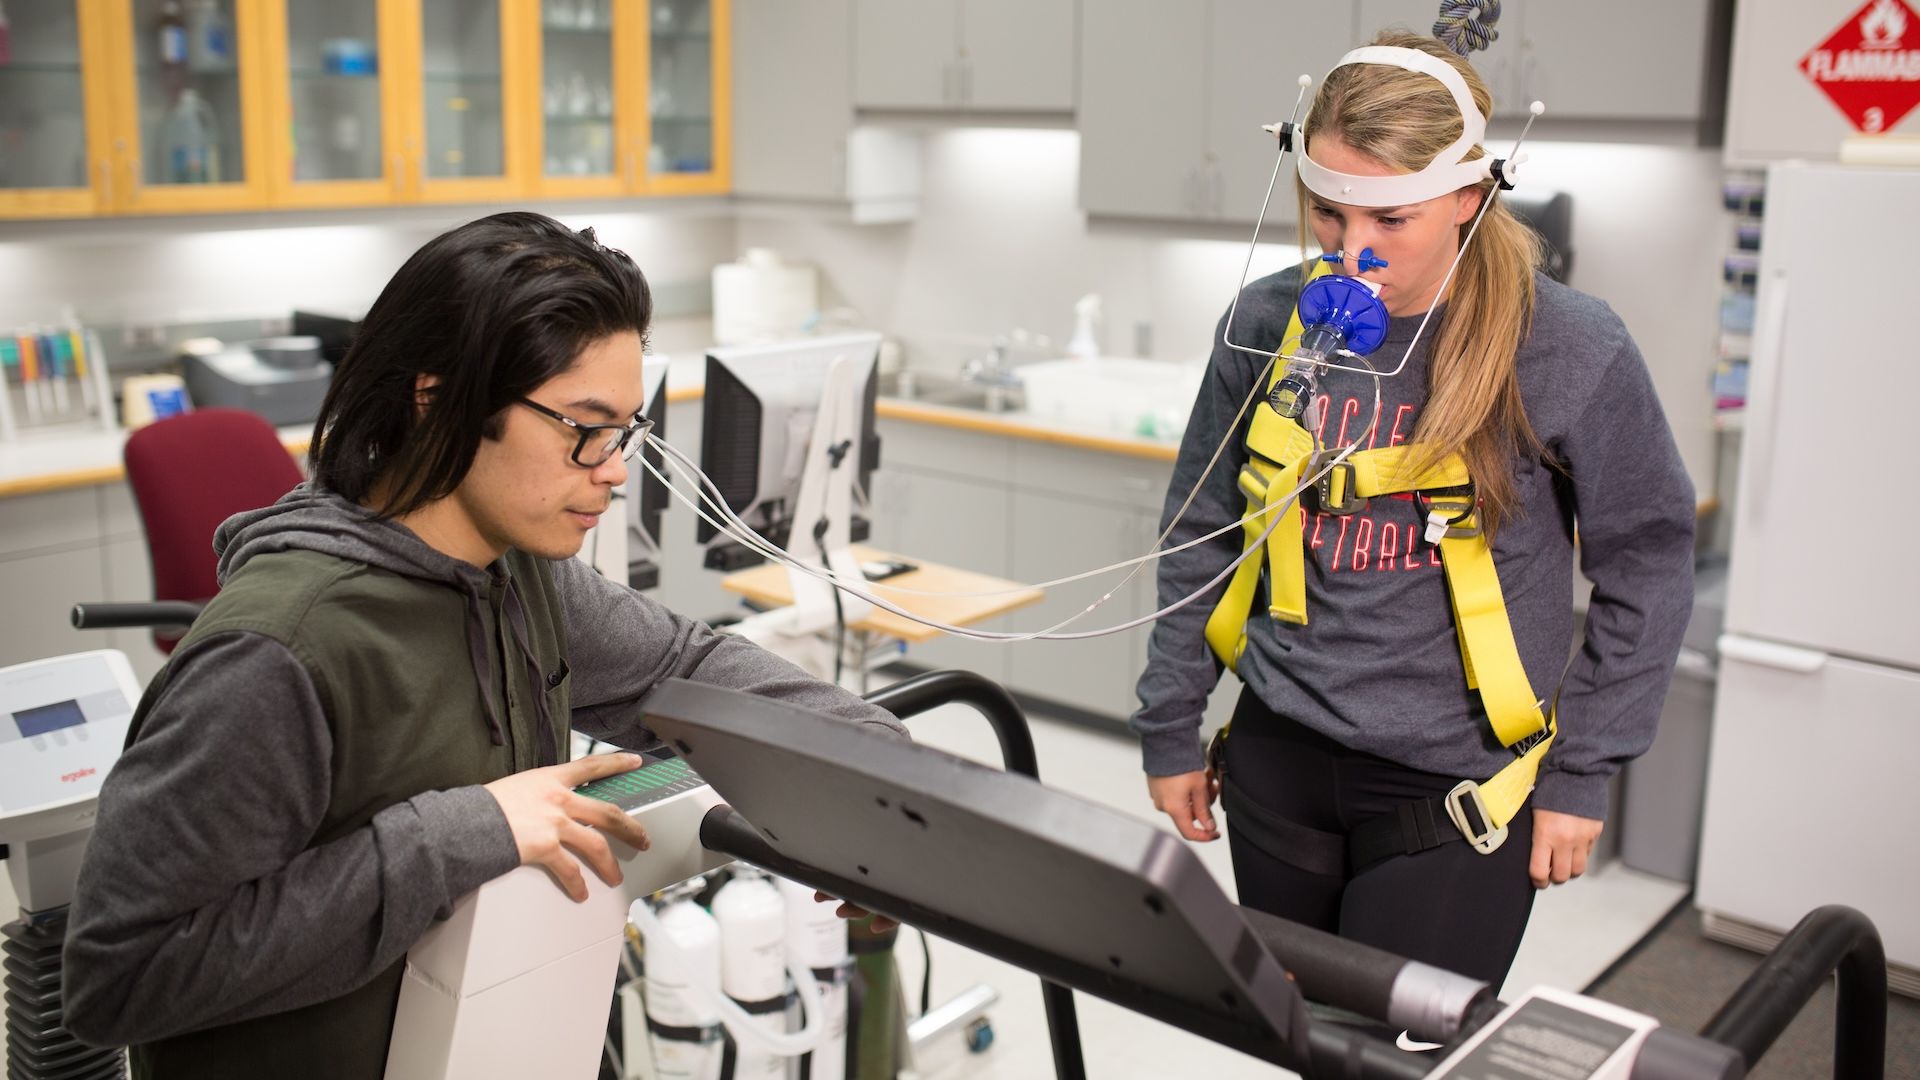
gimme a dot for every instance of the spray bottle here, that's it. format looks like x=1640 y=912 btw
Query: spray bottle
x=1085 y=343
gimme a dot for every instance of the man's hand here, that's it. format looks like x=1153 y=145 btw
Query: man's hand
x=881 y=924
x=560 y=830
x=1188 y=800
x=1561 y=844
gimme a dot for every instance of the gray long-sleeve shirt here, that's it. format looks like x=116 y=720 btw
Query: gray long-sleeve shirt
x=1378 y=665
x=204 y=900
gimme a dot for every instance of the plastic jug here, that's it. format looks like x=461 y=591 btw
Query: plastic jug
x=189 y=137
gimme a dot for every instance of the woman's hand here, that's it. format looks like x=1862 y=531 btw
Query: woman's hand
x=1188 y=799
x=1561 y=844
x=560 y=830
x=881 y=924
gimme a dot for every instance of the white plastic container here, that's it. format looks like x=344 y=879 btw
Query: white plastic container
x=817 y=938
x=672 y=999
x=762 y=298
x=753 y=960
x=1115 y=395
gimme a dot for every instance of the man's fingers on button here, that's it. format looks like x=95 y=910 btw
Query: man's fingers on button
x=613 y=821
x=599 y=765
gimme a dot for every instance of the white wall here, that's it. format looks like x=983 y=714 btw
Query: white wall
x=205 y=268
x=999 y=243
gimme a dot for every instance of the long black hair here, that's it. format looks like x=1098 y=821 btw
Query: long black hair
x=490 y=310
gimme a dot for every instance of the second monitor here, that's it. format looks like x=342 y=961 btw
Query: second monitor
x=758 y=417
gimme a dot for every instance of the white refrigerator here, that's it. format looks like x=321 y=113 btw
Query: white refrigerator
x=1813 y=787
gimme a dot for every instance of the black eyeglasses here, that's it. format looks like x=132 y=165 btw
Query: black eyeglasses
x=598 y=442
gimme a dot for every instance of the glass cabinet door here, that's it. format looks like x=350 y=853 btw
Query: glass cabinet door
x=578 y=96
x=681 y=83
x=44 y=126
x=334 y=126
x=462 y=74
x=188 y=114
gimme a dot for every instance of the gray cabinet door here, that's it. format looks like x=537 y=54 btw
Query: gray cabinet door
x=1017 y=55
x=1055 y=537
x=1257 y=54
x=1499 y=65
x=1142 y=104
x=906 y=54
x=792 y=98
x=129 y=579
x=955 y=522
x=41 y=590
x=1629 y=60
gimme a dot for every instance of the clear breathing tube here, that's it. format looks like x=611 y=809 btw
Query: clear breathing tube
x=1312 y=351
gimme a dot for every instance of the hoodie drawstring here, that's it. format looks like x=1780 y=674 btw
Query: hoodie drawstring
x=482 y=667
x=517 y=619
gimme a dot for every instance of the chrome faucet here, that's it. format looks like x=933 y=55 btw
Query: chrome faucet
x=995 y=368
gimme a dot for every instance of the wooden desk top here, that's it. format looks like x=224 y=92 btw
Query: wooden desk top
x=769 y=587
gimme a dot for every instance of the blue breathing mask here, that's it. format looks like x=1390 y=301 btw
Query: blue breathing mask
x=1338 y=313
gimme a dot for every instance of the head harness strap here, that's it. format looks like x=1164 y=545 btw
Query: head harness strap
x=1447 y=172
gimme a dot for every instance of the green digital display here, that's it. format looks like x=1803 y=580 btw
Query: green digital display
x=653 y=782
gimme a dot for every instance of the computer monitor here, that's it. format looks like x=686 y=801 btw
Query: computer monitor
x=631 y=551
x=758 y=419
x=647 y=495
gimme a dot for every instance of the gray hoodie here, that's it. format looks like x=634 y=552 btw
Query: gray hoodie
x=204 y=902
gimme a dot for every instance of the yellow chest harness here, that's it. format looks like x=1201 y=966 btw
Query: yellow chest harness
x=1280 y=452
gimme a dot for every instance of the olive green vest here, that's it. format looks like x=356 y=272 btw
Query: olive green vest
x=389 y=658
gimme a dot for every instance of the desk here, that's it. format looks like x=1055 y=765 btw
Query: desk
x=768 y=587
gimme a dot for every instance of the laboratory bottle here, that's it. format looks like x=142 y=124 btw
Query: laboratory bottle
x=173 y=34
x=753 y=963
x=189 y=142
x=685 y=1030
x=817 y=939
x=209 y=37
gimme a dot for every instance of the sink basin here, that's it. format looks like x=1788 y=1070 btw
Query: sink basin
x=1122 y=395
x=925 y=389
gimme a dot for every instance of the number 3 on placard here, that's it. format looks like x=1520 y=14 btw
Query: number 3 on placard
x=1875 y=119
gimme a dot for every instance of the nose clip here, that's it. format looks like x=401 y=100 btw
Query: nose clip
x=1363 y=262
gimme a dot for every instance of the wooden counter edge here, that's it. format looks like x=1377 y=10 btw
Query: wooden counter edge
x=99 y=474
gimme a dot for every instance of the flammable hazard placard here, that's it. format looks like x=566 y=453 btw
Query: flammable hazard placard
x=1870 y=66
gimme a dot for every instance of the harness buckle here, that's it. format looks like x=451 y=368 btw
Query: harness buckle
x=1526 y=745
x=1444 y=512
x=1483 y=837
x=1323 y=488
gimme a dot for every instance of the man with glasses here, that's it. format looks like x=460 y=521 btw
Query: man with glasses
x=373 y=717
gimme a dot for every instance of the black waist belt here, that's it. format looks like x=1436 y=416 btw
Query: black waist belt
x=1408 y=829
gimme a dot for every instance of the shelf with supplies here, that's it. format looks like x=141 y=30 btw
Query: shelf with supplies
x=55 y=381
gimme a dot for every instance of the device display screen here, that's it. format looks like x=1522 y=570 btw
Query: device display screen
x=39 y=721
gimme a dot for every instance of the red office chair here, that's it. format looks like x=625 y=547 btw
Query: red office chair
x=189 y=473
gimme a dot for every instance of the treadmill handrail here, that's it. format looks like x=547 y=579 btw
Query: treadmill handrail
x=1830 y=940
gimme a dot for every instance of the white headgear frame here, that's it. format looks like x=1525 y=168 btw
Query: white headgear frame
x=1447 y=172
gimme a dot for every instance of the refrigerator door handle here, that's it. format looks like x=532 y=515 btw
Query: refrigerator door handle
x=1770 y=348
x=1771 y=654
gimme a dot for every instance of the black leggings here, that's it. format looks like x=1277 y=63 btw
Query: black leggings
x=1449 y=906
